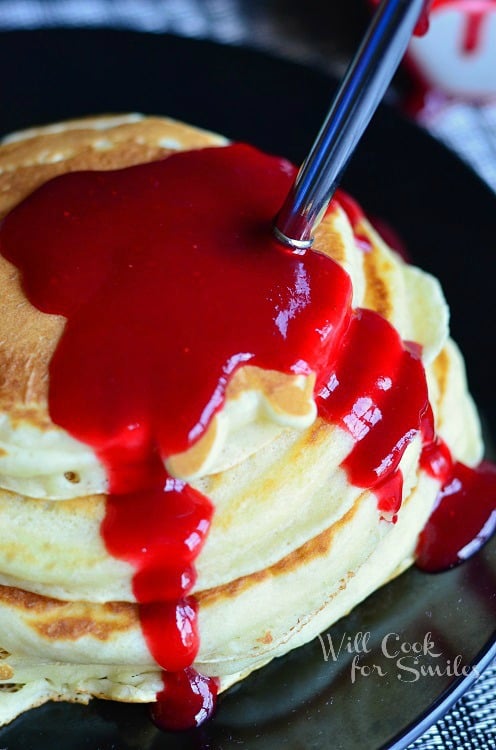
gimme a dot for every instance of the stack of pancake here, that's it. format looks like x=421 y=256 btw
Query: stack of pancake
x=293 y=546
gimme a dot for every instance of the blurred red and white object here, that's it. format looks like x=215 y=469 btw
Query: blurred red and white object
x=450 y=85
x=454 y=54
x=452 y=71
x=457 y=55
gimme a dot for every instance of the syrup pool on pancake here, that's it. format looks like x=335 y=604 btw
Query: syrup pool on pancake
x=170 y=281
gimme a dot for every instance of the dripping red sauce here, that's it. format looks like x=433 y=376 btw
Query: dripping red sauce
x=370 y=401
x=155 y=268
x=464 y=516
x=458 y=526
x=188 y=698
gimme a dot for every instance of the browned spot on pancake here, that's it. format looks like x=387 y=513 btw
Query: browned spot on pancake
x=266 y=638
x=28 y=163
x=286 y=394
x=28 y=337
x=329 y=241
x=441 y=366
x=16 y=185
x=3 y=452
x=102 y=624
x=27 y=601
x=280 y=390
x=6 y=672
x=317 y=433
x=90 y=506
x=39 y=145
x=377 y=295
x=30 y=415
x=72 y=476
x=69 y=621
x=190 y=462
x=319 y=546
x=27 y=341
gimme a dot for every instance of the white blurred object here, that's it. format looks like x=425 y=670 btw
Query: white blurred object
x=457 y=56
x=469 y=130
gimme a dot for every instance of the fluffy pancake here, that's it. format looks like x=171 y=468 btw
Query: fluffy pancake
x=39 y=459
x=293 y=545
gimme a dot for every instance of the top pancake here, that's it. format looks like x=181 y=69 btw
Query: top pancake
x=27 y=160
x=39 y=459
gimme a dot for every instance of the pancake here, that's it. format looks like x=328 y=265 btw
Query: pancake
x=293 y=544
x=40 y=460
x=56 y=548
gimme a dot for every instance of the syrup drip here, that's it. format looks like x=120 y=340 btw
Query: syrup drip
x=435 y=458
x=363 y=400
x=187 y=700
x=458 y=526
x=155 y=268
x=161 y=531
x=464 y=515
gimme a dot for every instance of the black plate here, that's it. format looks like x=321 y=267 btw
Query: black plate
x=446 y=216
